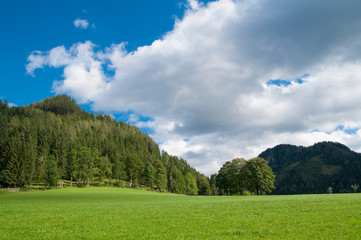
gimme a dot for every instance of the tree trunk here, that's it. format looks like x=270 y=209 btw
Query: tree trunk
x=79 y=181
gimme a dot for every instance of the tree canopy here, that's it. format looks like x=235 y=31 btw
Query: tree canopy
x=239 y=175
x=56 y=139
x=301 y=170
x=258 y=176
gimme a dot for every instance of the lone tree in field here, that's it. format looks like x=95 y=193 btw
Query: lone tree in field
x=259 y=176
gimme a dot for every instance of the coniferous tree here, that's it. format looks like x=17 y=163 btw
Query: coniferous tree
x=28 y=156
x=103 y=168
x=51 y=176
x=134 y=167
x=83 y=146
x=160 y=175
x=149 y=174
x=118 y=171
x=179 y=181
x=14 y=170
x=72 y=166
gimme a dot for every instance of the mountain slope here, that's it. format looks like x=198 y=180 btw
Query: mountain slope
x=313 y=169
x=85 y=148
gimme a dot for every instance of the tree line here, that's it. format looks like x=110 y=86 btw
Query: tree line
x=241 y=177
x=56 y=139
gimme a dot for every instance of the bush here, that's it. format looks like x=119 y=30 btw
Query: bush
x=246 y=193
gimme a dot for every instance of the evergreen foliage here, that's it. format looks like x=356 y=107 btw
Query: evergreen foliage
x=51 y=175
x=56 y=139
x=301 y=170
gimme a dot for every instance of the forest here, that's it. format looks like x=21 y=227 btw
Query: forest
x=55 y=139
x=324 y=167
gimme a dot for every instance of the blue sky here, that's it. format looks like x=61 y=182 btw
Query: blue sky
x=208 y=80
x=28 y=26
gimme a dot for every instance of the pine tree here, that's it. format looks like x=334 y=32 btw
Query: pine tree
x=179 y=181
x=134 y=168
x=83 y=147
x=160 y=175
x=118 y=171
x=149 y=174
x=51 y=177
x=14 y=172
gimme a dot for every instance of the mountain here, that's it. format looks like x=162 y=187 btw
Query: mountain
x=314 y=169
x=55 y=139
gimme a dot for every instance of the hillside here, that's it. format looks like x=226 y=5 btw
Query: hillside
x=314 y=169
x=56 y=139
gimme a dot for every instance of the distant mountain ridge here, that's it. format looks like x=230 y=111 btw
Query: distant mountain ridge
x=302 y=170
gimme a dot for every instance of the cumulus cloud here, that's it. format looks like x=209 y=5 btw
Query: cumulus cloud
x=36 y=60
x=83 y=73
x=205 y=84
x=81 y=23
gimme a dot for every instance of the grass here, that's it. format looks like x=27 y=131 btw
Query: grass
x=116 y=213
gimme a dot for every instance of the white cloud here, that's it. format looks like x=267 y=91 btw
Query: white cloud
x=204 y=84
x=36 y=60
x=193 y=4
x=83 y=72
x=81 y=23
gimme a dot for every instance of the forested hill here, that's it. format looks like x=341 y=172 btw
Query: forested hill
x=314 y=169
x=56 y=139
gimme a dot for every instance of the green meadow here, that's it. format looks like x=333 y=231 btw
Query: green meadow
x=117 y=213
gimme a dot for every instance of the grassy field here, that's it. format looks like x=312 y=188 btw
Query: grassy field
x=115 y=213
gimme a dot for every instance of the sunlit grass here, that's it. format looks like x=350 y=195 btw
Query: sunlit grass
x=115 y=213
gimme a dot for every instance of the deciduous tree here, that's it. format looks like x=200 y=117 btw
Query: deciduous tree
x=259 y=176
x=191 y=184
x=203 y=186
